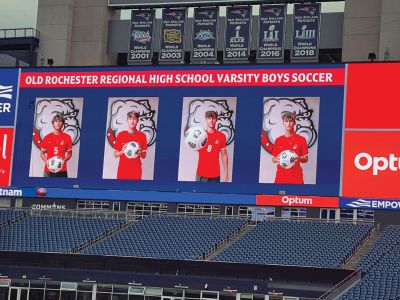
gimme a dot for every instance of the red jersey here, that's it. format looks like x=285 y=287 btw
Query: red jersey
x=56 y=145
x=130 y=168
x=297 y=144
x=208 y=165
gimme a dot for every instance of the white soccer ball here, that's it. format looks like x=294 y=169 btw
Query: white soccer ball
x=287 y=159
x=131 y=150
x=55 y=163
x=196 y=137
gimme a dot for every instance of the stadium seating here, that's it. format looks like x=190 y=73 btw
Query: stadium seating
x=51 y=234
x=304 y=243
x=381 y=265
x=172 y=237
x=7 y=215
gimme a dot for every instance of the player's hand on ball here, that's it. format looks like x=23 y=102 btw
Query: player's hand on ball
x=275 y=160
x=131 y=150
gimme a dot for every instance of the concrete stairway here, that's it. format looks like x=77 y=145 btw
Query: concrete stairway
x=229 y=243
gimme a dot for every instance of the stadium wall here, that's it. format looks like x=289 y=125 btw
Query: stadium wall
x=370 y=27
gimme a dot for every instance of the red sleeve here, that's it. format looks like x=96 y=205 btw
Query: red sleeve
x=69 y=143
x=275 y=148
x=304 y=148
x=223 y=141
x=118 y=142
x=143 y=145
x=43 y=145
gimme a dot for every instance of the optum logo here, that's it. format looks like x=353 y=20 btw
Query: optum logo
x=296 y=200
x=364 y=161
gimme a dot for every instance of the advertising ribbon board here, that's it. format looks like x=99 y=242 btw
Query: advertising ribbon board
x=8 y=108
x=298 y=201
x=370 y=204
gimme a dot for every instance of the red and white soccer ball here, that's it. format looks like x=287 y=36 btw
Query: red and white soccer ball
x=131 y=150
x=55 y=163
x=196 y=137
x=287 y=159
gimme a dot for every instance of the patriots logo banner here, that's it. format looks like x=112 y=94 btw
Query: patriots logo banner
x=309 y=9
x=145 y=15
x=240 y=11
x=176 y=14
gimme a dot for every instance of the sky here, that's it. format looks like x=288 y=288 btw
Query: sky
x=22 y=13
x=18 y=13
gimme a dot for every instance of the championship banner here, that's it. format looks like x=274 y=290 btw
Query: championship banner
x=237 y=33
x=124 y=4
x=205 y=31
x=306 y=29
x=272 y=32
x=141 y=36
x=172 y=47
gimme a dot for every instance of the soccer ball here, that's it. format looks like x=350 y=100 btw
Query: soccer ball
x=196 y=137
x=131 y=150
x=41 y=192
x=287 y=159
x=55 y=163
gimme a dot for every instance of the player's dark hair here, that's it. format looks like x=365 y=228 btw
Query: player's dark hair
x=289 y=116
x=58 y=117
x=211 y=113
x=132 y=114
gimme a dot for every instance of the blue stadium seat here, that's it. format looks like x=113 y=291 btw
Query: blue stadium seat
x=382 y=266
x=169 y=237
x=305 y=243
x=51 y=234
x=7 y=215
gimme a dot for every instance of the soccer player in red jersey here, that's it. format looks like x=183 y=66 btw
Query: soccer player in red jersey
x=130 y=168
x=208 y=168
x=56 y=143
x=290 y=141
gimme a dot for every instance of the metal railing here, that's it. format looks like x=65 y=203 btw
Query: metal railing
x=227 y=239
x=101 y=237
x=307 y=219
x=73 y=213
x=341 y=286
x=12 y=33
x=359 y=245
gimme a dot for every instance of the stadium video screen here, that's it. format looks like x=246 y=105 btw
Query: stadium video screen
x=234 y=129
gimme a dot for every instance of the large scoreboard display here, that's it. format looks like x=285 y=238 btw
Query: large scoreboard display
x=93 y=155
